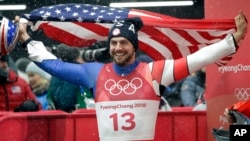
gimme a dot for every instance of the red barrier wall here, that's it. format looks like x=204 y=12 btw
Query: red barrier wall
x=228 y=84
x=82 y=126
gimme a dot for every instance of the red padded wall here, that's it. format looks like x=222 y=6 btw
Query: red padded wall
x=229 y=84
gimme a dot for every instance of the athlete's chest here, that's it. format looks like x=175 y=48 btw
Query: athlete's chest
x=136 y=85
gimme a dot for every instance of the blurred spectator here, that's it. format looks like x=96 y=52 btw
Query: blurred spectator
x=172 y=94
x=39 y=81
x=14 y=91
x=193 y=88
x=21 y=64
x=64 y=95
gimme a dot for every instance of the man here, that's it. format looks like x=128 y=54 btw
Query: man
x=14 y=90
x=127 y=92
x=193 y=88
x=63 y=95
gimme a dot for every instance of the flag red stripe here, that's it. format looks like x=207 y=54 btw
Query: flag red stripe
x=190 y=39
x=163 y=39
x=3 y=41
x=207 y=36
x=187 y=36
x=100 y=30
x=65 y=37
x=160 y=20
x=154 y=54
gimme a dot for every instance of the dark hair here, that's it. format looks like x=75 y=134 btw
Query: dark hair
x=4 y=58
x=67 y=54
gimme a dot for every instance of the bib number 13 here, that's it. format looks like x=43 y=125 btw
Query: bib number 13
x=129 y=121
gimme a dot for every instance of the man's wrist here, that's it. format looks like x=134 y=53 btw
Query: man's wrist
x=26 y=42
x=235 y=43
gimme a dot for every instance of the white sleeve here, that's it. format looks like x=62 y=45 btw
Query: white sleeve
x=211 y=54
x=38 y=52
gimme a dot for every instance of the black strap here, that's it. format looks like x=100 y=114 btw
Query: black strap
x=235 y=44
x=25 y=43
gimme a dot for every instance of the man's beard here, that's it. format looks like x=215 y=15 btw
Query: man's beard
x=123 y=62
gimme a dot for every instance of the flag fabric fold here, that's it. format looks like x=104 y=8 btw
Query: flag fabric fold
x=162 y=36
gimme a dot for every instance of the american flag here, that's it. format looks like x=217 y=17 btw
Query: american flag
x=16 y=89
x=162 y=36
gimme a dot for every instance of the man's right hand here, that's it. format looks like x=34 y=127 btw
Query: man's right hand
x=22 y=24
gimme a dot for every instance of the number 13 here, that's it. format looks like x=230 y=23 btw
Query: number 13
x=129 y=119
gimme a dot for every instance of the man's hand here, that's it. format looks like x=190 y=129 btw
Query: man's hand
x=22 y=23
x=241 y=25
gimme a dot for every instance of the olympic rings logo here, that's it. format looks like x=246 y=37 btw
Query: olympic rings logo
x=123 y=85
x=242 y=93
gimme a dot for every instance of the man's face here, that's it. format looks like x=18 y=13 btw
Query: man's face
x=35 y=80
x=122 y=51
x=4 y=65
